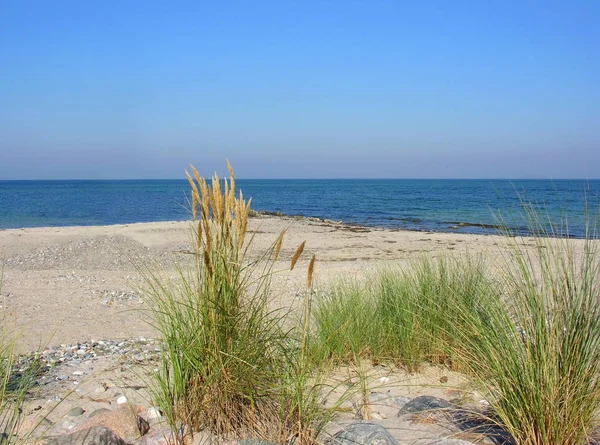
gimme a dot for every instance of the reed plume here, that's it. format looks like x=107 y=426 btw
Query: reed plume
x=311 y=269
x=278 y=244
x=225 y=350
x=297 y=254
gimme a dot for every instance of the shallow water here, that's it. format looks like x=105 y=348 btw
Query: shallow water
x=467 y=206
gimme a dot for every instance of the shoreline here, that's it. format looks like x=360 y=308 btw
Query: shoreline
x=453 y=226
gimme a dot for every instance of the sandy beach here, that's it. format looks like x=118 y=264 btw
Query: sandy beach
x=70 y=284
x=77 y=294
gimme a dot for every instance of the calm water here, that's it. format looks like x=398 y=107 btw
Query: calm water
x=429 y=205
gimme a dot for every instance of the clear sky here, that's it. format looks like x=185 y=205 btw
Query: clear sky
x=300 y=89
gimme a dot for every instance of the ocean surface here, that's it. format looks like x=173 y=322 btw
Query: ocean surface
x=465 y=206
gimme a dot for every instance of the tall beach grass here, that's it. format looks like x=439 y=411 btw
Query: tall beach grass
x=528 y=335
x=401 y=316
x=525 y=328
x=536 y=351
x=230 y=365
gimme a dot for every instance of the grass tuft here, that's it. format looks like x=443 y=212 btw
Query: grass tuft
x=229 y=366
x=400 y=316
x=536 y=352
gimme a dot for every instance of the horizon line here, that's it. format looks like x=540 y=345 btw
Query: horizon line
x=309 y=179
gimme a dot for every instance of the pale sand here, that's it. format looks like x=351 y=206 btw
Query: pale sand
x=70 y=284
x=73 y=284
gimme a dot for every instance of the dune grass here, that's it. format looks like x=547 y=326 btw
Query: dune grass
x=400 y=316
x=231 y=365
x=529 y=337
x=536 y=352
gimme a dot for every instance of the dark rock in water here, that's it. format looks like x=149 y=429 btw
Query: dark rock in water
x=363 y=433
x=97 y=435
x=424 y=403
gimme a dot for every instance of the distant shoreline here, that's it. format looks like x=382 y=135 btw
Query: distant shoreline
x=453 y=227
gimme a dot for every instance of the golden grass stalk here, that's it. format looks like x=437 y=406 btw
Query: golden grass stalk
x=311 y=269
x=278 y=244
x=297 y=254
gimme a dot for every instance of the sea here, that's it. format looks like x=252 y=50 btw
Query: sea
x=463 y=206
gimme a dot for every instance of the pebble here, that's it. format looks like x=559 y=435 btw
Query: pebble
x=122 y=400
x=133 y=351
x=69 y=424
x=153 y=413
x=77 y=411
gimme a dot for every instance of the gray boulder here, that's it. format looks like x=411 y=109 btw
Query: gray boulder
x=363 y=433
x=424 y=403
x=97 y=435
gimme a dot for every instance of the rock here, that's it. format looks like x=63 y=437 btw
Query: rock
x=77 y=411
x=93 y=436
x=158 y=436
x=424 y=403
x=69 y=425
x=153 y=413
x=123 y=421
x=98 y=411
x=122 y=400
x=363 y=433
x=143 y=425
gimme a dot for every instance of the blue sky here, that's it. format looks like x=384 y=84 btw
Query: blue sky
x=424 y=89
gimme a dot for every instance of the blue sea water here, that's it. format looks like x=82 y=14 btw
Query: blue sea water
x=427 y=205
